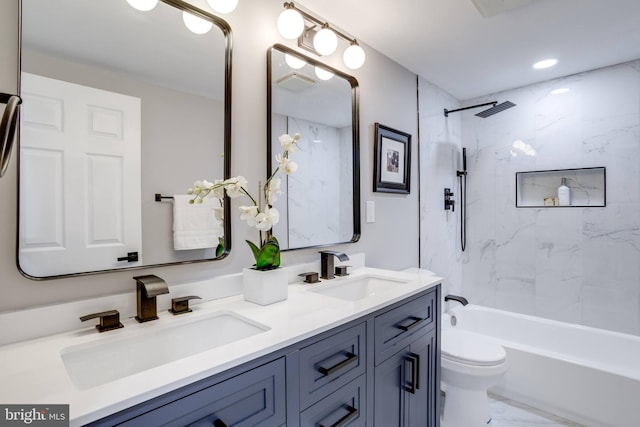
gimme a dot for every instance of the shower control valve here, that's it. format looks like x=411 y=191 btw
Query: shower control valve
x=449 y=203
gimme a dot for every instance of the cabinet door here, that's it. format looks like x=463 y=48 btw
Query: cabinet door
x=253 y=398
x=422 y=393
x=390 y=406
x=405 y=386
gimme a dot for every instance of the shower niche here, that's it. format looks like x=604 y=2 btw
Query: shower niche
x=539 y=189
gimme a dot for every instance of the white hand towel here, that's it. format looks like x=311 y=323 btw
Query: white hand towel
x=195 y=225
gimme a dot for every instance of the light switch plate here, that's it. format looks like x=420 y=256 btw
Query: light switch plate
x=371 y=211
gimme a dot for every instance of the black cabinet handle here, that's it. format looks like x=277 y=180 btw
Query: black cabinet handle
x=219 y=423
x=414 y=360
x=416 y=322
x=351 y=414
x=131 y=257
x=351 y=357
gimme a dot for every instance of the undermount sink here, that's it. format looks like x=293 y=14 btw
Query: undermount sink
x=116 y=357
x=357 y=288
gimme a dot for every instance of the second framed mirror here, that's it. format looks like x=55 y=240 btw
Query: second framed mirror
x=320 y=203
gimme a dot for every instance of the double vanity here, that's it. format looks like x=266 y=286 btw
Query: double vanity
x=357 y=350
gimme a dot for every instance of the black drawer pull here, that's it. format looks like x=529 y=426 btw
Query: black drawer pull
x=416 y=322
x=219 y=423
x=414 y=359
x=351 y=357
x=352 y=413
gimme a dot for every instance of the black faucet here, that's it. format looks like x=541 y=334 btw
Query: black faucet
x=326 y=263
x=147 y=289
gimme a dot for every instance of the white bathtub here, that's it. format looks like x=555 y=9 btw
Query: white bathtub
x=587 y=375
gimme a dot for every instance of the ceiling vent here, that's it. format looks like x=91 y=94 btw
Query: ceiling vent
x=296 y=82
x=489 y=8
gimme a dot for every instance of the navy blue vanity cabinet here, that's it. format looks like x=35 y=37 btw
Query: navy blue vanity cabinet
x=380 y=369
x=252 y=398
x=406 y=383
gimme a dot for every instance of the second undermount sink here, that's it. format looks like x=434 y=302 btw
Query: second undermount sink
x=357 y=288
x=118 y=356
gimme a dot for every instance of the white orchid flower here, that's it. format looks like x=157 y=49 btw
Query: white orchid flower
x=286 y=142
x=249 y=214
x=267 y=219
x=235 y=186
x=216 y=189
x=290 y=167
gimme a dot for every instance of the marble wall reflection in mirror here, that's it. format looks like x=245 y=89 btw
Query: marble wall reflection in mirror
x=320 y=202
x=119 y=105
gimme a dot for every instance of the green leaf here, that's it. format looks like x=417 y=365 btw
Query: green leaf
x=254 y=249
x=269 y=256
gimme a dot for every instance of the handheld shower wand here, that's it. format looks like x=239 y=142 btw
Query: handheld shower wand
x=462 y=176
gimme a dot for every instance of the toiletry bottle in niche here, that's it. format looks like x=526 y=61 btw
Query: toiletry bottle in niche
x=564 y=194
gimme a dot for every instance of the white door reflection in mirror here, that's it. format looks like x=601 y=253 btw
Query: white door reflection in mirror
x=80 y=195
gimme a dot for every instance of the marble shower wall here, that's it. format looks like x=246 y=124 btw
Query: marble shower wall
x=580 y=265
x=440 y=158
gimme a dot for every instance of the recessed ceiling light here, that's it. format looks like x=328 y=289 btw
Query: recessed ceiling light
x=545 y=63
x=559 y=91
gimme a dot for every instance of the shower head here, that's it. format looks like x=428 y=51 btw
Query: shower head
x=495 y=109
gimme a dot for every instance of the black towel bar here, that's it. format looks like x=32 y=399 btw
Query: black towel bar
x=160 y=197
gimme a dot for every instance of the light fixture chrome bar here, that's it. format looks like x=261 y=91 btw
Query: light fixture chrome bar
x=309 y=17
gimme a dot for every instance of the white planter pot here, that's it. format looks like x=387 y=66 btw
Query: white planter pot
x=265 y=287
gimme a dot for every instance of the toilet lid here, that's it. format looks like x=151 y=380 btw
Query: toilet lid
x=466 y=347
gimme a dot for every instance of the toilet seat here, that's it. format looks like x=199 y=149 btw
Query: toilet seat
x=471 y=349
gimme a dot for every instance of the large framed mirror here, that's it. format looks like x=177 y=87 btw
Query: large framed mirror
x=122 y=110
x=320 y=204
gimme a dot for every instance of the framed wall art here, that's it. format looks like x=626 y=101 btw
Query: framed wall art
x=392 y=160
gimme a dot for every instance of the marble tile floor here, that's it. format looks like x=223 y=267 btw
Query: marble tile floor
x=508 y=413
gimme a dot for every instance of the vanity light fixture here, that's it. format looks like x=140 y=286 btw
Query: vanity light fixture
x=545 y=63
x=143 y=5
x=290 y=23
x=196 y=24
x=295 y=23
x=325 y=42
x=223 y=6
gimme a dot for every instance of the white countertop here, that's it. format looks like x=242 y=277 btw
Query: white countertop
x=33 y=371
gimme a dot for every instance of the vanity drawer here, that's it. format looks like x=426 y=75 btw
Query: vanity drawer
x=398 y=327
x=346 y=407
x=253 y=398
x=329 y=364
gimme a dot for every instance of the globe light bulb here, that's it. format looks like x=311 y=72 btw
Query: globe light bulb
x=143 y=5
x=353 y=57
x=293 y=62
x=323 y=74
x=290 y=24
x=196 y=24
x=325 y=41
x=223 y=6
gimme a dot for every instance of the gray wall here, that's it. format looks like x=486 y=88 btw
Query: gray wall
x=387 y=95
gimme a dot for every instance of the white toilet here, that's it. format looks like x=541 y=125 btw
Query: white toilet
x=470 y=364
